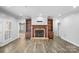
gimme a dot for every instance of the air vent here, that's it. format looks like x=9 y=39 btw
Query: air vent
x=39 y=21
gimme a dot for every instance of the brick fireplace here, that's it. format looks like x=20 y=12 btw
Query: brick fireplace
x=39 y=28
x=39 y=31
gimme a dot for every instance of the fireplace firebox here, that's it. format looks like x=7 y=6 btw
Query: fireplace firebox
x=39 y=33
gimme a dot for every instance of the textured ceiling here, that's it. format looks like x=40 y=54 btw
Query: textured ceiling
x=33 y=11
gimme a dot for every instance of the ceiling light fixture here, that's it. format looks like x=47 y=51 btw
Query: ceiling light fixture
x=59 y=15
x=74 y=6
x=20 y=14
x=40 y=14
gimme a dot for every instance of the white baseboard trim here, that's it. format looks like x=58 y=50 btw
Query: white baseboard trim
x=7 y=42
x=70 y=41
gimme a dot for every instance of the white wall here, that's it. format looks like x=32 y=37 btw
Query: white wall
x=55 y=26
x=14 y=29
x=1 y=30
x=69 y=29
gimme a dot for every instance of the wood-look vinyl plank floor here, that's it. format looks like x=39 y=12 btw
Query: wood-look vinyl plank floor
x=57 y=45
